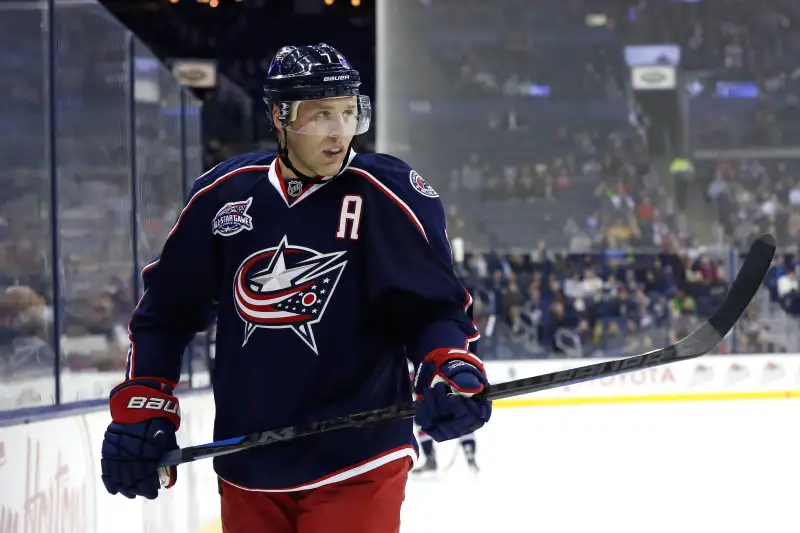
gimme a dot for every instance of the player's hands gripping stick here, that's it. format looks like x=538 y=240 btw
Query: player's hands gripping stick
x=447 y=380
x=145 y=418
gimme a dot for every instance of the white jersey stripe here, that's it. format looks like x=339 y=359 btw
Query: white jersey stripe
x=347 y=473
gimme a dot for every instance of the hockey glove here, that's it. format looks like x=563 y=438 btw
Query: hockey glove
x=145 y=416
x=446 y=380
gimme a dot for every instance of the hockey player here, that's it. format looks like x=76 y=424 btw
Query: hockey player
x=468 y=445
x=326 y=269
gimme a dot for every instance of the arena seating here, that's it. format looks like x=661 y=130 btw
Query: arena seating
x=751 y=196
x=742 y=62
x=585 y=305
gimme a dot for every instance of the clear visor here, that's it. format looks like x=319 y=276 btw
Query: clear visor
x=330 y=117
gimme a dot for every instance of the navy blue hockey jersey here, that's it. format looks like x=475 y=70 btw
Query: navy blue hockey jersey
x=321 y=292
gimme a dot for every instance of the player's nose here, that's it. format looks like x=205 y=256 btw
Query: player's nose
x=336 y=128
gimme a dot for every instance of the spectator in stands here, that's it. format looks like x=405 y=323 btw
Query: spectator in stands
x=788 y=284
x=706 y=271
x=613 y=339
x=554 y=320
x=630 y=283
x=681 y=304
x=592 y=286
x=574 y=287
x=512 y=304
x=717 y=188
x=645 y=210
x=23 y=334
x=611 y=286
x=683 y=174
x=580 y=242
x=620 y=232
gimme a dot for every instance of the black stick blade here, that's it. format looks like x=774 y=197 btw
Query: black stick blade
x=744 y=287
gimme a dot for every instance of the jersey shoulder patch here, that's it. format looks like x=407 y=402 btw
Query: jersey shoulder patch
x=421 y=186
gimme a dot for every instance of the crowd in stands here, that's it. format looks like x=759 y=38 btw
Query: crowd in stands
x=536 y=173
x=592 y=193
x=753 y=196
x=731 y=50
x=584 y=305
x=526 y=68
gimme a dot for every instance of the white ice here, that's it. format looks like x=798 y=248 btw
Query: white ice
x=705 y=467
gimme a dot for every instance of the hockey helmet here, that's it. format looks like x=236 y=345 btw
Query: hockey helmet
x=310 y=72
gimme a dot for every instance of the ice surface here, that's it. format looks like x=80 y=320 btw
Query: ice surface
x=707 y=467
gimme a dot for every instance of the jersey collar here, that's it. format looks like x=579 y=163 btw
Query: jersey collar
x=293 y=191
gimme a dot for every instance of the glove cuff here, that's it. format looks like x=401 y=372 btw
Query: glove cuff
x=442 y=364
x=143 y=399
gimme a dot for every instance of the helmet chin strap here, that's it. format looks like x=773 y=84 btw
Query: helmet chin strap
x=283 y=153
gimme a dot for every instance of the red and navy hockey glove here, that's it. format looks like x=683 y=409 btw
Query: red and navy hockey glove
x=145 y=418
x=446 y=380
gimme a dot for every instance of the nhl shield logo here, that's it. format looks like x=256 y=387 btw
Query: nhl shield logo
x=232 y=218
x=286 y=287
x=421 y=186
x=294 y=188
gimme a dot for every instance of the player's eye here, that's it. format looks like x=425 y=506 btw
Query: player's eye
x=324 y=114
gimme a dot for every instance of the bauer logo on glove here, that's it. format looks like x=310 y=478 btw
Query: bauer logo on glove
x=155 y=404
x=145 y=416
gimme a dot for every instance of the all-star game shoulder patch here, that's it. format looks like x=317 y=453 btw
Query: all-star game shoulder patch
x=232 y=219
x=421 y=186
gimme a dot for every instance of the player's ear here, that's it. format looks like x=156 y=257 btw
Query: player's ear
x=276 y=118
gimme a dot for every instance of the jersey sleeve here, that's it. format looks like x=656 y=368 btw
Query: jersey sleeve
x=179 y=291
x=410 y=266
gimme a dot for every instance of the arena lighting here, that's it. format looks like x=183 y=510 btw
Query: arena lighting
x=328 y=2
x=355 y=3
x=214 y=3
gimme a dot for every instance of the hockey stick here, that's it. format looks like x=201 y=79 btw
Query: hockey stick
x=696 y=344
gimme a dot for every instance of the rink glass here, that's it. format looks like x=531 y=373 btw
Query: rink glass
x=105 y=159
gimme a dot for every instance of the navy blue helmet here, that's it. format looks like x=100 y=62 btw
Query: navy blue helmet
x=310 y=72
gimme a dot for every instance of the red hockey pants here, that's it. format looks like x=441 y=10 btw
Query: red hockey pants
x=368 y=503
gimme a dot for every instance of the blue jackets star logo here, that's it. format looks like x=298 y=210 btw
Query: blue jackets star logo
x=286 y=287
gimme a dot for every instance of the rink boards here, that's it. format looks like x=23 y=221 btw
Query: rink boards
x=50 y=469
x=50 y=479
x=742 y=377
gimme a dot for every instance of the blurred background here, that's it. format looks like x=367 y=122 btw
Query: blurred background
x=603 y=163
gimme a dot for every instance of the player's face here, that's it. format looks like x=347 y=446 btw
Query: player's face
x=320 y=134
